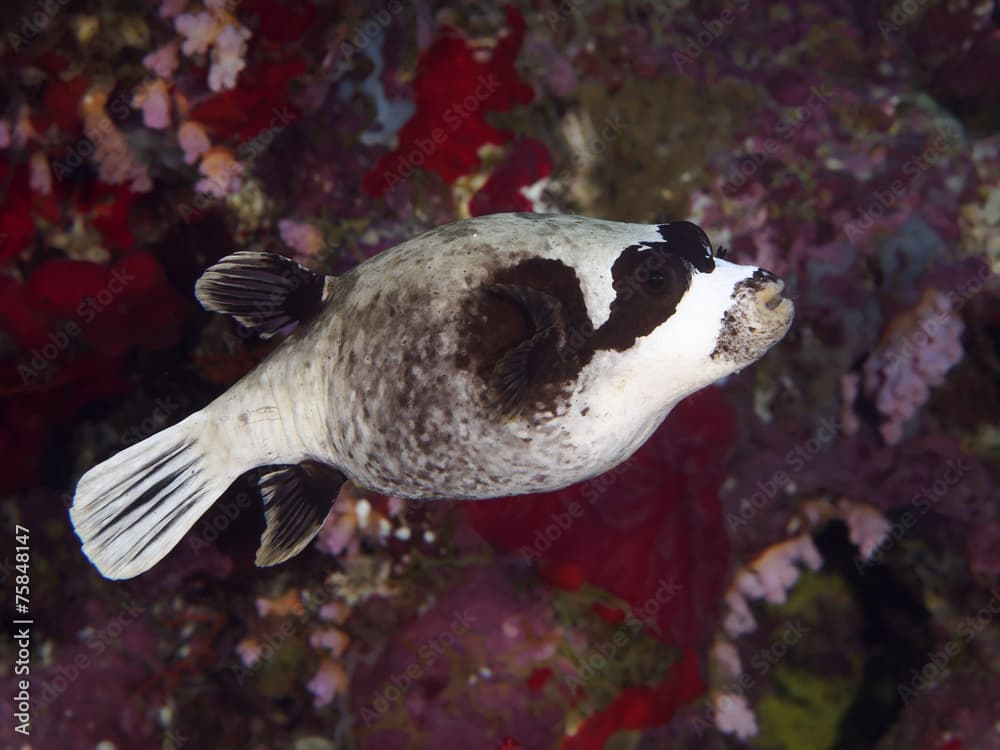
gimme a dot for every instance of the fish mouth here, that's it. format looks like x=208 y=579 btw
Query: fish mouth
x=770 y=301
x=759 y=317
x=772 y=304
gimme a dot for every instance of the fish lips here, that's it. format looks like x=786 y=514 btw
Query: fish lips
x=758 y=318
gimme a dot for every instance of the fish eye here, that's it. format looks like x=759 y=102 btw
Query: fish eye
x=658 y=283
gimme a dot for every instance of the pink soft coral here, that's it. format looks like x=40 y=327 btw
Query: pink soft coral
x=924 y=345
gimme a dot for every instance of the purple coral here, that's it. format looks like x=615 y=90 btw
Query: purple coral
x=898 y=376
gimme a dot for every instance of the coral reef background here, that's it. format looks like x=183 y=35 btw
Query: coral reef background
x=805 y=556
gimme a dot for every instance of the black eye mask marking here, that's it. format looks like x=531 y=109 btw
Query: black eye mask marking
x=649 y=284
x=529 y=334
x=650 y=279
x=689 y=241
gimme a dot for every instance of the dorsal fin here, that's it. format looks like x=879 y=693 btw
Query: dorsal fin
x=263 y=291
x=297 y=500
x=511 y=375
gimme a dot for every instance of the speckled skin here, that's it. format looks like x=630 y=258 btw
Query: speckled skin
x=502 y=355
x=382 y=385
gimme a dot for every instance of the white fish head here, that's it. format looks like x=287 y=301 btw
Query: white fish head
x=681 y=318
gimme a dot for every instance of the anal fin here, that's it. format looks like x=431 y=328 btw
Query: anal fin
x=263 y=291
x=297 y=501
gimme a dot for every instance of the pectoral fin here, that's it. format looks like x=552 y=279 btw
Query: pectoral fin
x=512 y=374
x=297 y=501
x=263 y=291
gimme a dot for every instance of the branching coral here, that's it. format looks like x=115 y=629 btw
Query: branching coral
x=916 y=354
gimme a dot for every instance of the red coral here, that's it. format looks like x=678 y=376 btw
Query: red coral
x=537 y=679
x=16 y=224
x=109 y=208
x=281 y=23
x=527 y=163
x=30 y=408
x=116 y=307
x=111 y=308
x=26 y=325
x=610 y=614
x=650 y=531
x=454 y=92
x=49 y=205
x=74 y=322
x=61 y=105
x=564 y=575
x=260 y=102
x=641 y=707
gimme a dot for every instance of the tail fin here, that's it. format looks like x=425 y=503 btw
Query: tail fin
x=132 y=509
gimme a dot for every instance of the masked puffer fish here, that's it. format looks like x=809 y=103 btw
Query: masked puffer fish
x=495 y=356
